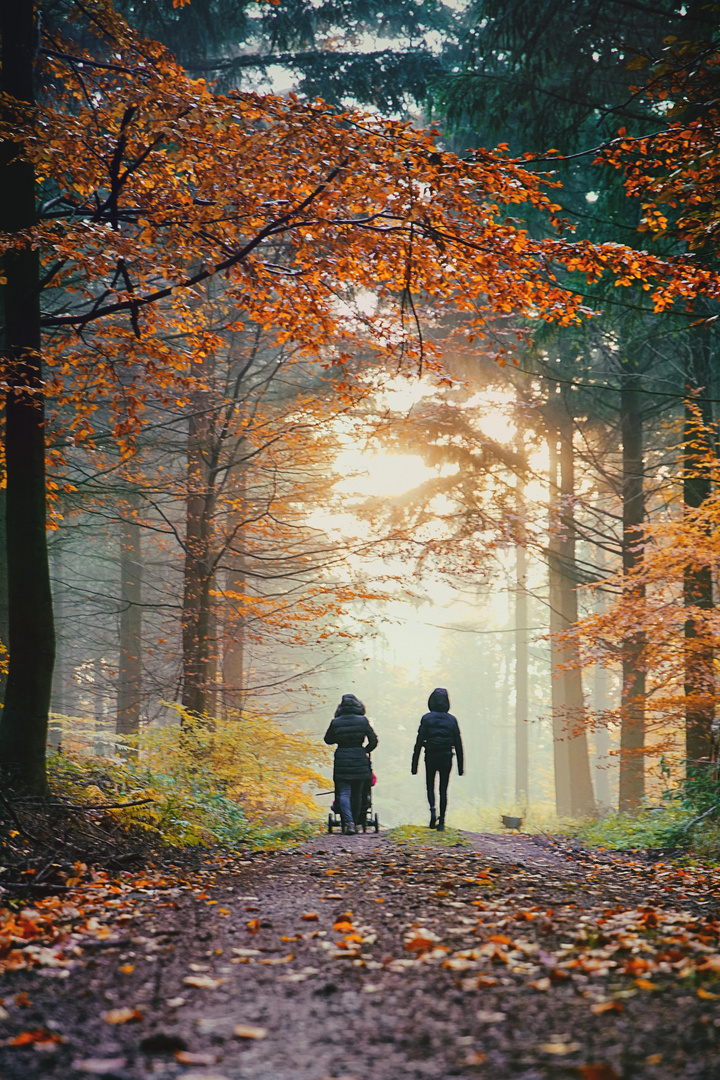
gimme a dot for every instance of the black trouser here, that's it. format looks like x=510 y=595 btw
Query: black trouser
x=441 y=764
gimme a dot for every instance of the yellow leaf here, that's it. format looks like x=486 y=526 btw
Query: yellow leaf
x=560 y=1047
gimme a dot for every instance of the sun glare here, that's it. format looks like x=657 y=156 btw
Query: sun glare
x=371 y=475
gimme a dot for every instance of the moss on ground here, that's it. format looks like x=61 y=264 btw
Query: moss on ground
x=419 y=834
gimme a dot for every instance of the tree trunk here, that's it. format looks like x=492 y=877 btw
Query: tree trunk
x=59 y=697
x=602 y=703
x=698 y=585
x=561 y=757
x=582 y=799
x=23 y=727
x=603 y=765
x=198 y=572
x=4 y=614
x=234 y=647
x=129 y=693
x=632 y=732
x=521 y=665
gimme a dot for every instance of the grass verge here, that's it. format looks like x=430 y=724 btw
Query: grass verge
x=419 y=835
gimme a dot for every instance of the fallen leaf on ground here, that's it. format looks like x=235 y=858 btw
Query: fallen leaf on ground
x=601 y=1007
x=122 y=1016
x=560 y=1047
x=601 y=1071
x=186 y=1057
x=420 y=944
x=204 y=982
x=36 y=1037
x=541 y=984
x=245 y=1031
x=475 y=1058
x=310 y=916
x=707 y=995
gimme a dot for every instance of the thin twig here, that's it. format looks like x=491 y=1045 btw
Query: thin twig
x=101 y=806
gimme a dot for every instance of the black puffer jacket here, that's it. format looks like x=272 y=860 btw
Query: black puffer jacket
x=349 y=729
x=439 y=732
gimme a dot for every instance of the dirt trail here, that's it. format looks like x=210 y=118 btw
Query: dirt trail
x=505 y=957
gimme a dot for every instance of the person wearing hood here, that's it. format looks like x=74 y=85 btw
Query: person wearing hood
x=439 y=733
x=352 y=771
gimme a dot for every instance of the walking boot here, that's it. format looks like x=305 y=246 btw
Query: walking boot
x=433 y=819
x=350 y=830
x=441 y=825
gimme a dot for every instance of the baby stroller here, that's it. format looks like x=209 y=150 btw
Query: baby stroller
x=368 y=820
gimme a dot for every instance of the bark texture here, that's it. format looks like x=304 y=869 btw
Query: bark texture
x=574 y=793
x=698 y=585
x=129 y=697
x=23 y=727
x=632 y=733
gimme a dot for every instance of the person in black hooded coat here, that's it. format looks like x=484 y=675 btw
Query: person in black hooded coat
x=439 y=733
x=352 y=771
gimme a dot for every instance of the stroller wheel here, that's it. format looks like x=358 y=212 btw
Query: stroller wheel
x=364 y=824
x=376 y=823
x=330 y=823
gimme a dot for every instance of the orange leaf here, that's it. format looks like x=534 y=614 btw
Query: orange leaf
x=602 y=1071
x=245 y=1031
x=37 y=1035
x=419 y=944
x=606 y=1006
x=122 y=1016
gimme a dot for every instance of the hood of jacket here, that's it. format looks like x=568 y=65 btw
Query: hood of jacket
x=350 y=706
x=439 y=700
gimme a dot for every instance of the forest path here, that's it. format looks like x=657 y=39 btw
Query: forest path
x=505 y=957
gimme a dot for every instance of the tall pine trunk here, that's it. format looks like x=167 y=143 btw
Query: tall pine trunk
x=574 y=790
x=582 y=799
x=561 y=758
x=129 y=693
x=700 y=678
x=632 y=731
x=521 y=661
x=23 y=727
x=233 y=662
x=196 y=611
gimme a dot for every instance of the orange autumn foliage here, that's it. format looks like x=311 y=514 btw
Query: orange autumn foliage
x=152 y=184
x=676 y=171
x=651 y=606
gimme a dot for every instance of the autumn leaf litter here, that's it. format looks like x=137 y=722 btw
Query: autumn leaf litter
x=504 y=957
